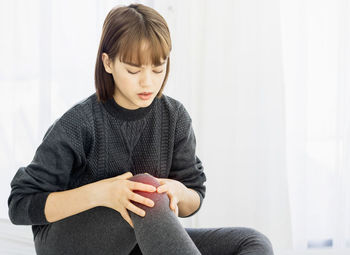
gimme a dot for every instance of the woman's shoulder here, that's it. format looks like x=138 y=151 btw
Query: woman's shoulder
x=176 y=107
x=172 y=104
x=81 y=110
x=77 y=116
x=85 y=105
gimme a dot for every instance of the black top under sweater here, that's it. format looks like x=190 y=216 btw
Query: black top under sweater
x=94 y=140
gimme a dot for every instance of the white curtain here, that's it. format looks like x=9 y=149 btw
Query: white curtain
x=316 y=73
x=266 y=84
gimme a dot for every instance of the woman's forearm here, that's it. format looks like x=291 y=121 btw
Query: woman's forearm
x=62 y=204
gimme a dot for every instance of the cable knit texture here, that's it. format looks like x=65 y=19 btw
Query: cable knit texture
x=94 y=140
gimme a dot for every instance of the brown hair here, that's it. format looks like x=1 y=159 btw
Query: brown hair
x=124 y=30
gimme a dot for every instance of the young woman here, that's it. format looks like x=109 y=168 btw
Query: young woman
x=114 y=172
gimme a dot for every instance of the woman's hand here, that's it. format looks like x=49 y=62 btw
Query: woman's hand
x=117 y=192
x=174 y=189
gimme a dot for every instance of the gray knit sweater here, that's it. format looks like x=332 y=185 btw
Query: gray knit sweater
x=95 y=140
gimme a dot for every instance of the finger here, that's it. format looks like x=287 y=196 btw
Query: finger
x=135 y=209
x=174 y=211
x=140 y=199
x=174 y=202
x=171 y=200
x=126 y=217
x=142 y=186
x=162 y=188
x=124 y=175
x=171 y=204
x=177 y=211
x=161 y=181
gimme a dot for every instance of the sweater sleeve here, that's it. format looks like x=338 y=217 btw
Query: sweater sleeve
x=186 y=166
x=60 y=152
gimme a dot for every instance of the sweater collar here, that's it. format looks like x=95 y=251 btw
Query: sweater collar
x=122 y=113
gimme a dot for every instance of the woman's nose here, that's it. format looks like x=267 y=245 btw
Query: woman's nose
x=145 y=79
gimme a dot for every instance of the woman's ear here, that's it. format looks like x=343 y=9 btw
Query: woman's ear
x=106 y=63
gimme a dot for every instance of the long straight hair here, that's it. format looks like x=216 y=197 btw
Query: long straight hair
x=125 y=30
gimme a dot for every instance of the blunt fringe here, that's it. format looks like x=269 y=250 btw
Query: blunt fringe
x=137 y=34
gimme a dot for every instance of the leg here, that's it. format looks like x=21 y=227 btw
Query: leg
x=230 y=240
x=237 y=241
x=159 y=231
x=100 y=230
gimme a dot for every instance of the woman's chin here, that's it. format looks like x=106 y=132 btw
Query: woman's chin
x=144 y=103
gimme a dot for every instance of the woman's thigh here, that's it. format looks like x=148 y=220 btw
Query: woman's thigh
x=100 y=230
x=230 y=240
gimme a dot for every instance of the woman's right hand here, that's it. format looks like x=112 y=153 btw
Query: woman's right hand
x=118 y=191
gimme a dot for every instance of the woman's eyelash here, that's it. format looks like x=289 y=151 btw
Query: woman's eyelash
x=137 y=72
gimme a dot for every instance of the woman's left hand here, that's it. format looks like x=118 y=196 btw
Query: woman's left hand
x=174 y=189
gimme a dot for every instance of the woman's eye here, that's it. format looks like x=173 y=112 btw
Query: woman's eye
x=132 y=72
x=139 y=71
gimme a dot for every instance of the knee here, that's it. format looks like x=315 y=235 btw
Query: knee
x=151 y=180
x=145 y=178
x=256 y=242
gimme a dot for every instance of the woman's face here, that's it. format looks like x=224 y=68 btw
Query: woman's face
x=131 y=80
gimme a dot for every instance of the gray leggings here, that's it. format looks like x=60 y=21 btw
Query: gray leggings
x=102 y=230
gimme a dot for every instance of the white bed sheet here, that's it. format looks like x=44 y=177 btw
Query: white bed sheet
x=15 y=239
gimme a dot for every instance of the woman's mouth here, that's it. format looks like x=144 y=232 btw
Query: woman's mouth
x=145 y=96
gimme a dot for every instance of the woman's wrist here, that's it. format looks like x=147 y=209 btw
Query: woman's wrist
x=189 y=203
x=98 y=193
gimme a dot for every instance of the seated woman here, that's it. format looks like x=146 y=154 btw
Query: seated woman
x=115 y=171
